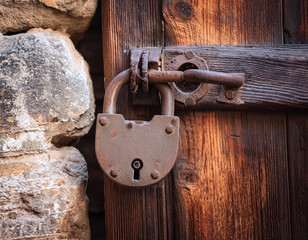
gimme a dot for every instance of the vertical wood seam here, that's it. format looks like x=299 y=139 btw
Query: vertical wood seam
x=282 y=21
x=287 y=133
x=291 y=227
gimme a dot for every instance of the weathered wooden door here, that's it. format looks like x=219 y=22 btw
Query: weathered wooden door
x=241 y=174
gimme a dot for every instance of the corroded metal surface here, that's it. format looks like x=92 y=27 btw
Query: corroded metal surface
x=142 y=59
x=231 y=96
x=137 y=153
x=234 y=80
x=187 y=74
x=135 y=58
x=113 y=90
x=194 y=61
x=119 y=81
x=144 y=71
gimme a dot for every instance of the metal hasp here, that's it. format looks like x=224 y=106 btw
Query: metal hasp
x=229 y=82
x=187 y=69
x=136 y=153
x=141 y=153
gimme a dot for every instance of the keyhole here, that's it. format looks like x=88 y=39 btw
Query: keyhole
x=137 y=165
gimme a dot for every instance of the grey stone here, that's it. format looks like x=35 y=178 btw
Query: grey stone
x=67 y=16
x=46 y=99
x=46 y=94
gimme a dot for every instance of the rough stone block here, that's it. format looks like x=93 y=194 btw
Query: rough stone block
x=67 y=16
x=42 y=196
x=46 y=93
x=46 y=99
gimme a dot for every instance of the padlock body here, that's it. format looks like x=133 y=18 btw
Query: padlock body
x=120 y=142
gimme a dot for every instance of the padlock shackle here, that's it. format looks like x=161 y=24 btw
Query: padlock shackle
x=122 y=79
x=113 y=90
x=167 y=99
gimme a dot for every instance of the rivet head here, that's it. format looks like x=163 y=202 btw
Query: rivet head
x=155 y=174
x=190 y=101
x=230 y=94
x=114 y=172
x=174 y=121
x=103 y=121
x=169 y=129
x=189 y=55
x=130 y=125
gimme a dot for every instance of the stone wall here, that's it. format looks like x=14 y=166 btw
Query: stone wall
x=67 y=16
x=43 y=196
x=46 y=102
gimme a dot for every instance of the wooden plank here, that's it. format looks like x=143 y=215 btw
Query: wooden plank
x=231 y=181
x=131 y=213
x=296 y=31
x=126 y=25
x=295 y=21
x=298 y=156
x=229 y=22
x=231 y=177
x=275 y=77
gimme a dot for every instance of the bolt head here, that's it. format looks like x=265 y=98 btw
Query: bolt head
x=103 y=121
x=170 y=129
x=114 y=172
x=155 y=174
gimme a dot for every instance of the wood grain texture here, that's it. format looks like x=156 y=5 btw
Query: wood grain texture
x=231 y=177
x=229 y=22
x=275 y=77
x=295 y=21
x=296 y=31
x=131 y=213
x=231 y=181
x=128 y=24
x=298 y=156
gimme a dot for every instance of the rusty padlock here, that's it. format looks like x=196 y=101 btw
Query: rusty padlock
x=136 y=153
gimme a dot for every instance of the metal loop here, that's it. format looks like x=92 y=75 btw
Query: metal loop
x=122 y=79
